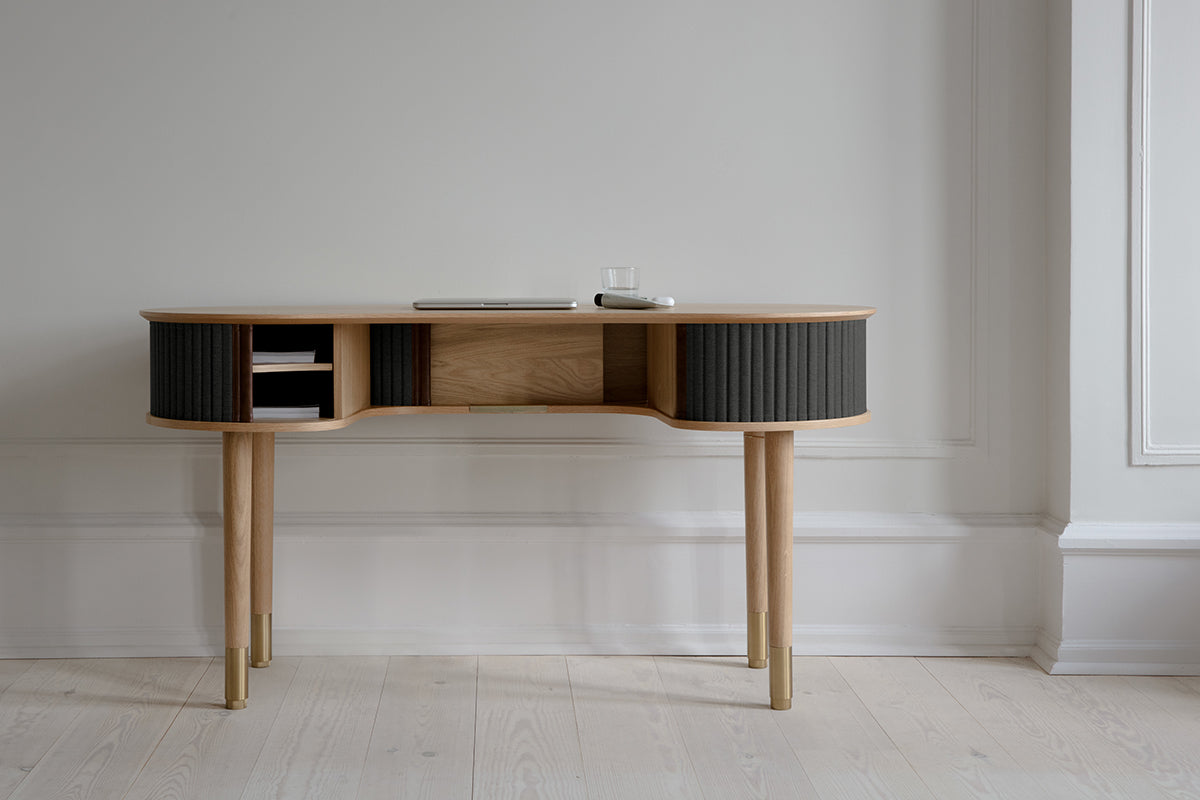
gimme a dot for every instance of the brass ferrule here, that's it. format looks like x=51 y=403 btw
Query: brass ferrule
x=781 y=678
x=236 y=678
x=260 y=640
x=756 y=639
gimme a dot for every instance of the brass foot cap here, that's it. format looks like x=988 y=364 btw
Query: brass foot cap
x=758 y=663
x=235 y=705
x=781 y=678
x=260 y=664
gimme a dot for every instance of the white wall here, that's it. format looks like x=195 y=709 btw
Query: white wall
x=225 y=153
x=1124 y=565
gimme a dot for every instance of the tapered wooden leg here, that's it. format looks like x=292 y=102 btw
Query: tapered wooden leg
x=756 y=551
x=262 y=535
x=237 y=462
x=779 y=463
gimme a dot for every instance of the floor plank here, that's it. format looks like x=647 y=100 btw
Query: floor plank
x=315 y=747
x=526 y=739
x=629 y=740
x=210 y=751
x=501 y=727
x=37 y=709
x=423 y=745
x=947 y=748
x=1180 y=697
x=124 y=708
x=1147 y=734
x=844 y=751
x=1067 y=754
x=11 y=669
x=737 y=746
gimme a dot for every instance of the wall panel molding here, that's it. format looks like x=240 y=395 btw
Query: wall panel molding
x=1141 y=450
x=1147 y=445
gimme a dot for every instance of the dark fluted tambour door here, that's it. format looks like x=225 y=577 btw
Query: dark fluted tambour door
x=192 y=371
x=393 y=382
x=775 y=372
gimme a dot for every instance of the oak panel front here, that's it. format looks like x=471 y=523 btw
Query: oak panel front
x=499 y=364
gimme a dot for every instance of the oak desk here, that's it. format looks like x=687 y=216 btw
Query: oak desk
x=765 y=370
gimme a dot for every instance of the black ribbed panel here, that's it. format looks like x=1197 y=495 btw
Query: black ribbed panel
x=392 y=360
x=775 y=372
x=191 y=371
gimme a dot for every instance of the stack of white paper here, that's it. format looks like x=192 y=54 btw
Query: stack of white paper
x=286 y=412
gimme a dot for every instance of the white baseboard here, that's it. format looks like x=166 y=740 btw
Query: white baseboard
x=1130 y=593
x=1112 y=657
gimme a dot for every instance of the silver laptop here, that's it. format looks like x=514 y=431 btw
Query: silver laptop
x=492 y=303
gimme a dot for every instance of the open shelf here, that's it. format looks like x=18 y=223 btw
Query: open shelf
x=292 y=384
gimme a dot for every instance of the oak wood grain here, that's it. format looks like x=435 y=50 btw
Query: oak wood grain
x=947 y=748
x=281 y=426
x=625 y=364
x=584 y=315
x=755 y=500
x=526 y=740
x=237 y=508
x=1069 y=756
x=778 y=462
x=899 y=728
x=844 y=751
x=210 y=751
x=351 y=369
x=737 y=748
x=315 y=746
x=528 y=365
x=39 y=706
x=628 y=736
x=423 y=743
x=11 y=669
x=1128 y=728
x=662 y=369
x=262 y=523
x=124 y=709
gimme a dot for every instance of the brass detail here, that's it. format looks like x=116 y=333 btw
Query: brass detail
x=236 y=677
x=260 y=640
x=509 y=409
x=781 y=678
x=756 y=639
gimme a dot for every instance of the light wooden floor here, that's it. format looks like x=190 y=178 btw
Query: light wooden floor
x=621 y=727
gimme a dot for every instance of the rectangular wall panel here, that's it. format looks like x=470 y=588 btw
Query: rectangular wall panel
x=1165 y=237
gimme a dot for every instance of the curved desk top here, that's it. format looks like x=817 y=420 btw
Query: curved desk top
x=581 y=361
x=584 y=315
